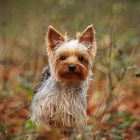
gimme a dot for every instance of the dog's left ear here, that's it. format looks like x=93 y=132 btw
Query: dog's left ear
x=53 y=38
x=87 y=36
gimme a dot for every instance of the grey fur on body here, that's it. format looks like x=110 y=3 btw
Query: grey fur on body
x=64 y=105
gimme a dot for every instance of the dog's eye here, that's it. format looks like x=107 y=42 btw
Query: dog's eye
x=80 y=58
x=63 y=57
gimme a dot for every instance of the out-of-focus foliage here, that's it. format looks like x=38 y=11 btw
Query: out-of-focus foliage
x=114 y=106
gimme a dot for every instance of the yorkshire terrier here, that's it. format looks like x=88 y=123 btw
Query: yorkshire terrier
x=61 y=98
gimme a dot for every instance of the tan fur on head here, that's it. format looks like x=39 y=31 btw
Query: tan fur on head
x=58 y=47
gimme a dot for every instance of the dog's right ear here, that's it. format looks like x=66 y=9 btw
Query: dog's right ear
x=87 y=36
x=53 y=38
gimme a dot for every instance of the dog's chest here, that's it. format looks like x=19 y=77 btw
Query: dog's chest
x=60 y=104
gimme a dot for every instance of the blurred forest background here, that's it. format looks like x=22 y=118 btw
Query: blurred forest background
x=114 y=106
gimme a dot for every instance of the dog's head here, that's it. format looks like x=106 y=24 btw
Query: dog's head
x=71 y=60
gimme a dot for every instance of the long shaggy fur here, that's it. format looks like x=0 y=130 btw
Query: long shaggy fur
x=54 y=102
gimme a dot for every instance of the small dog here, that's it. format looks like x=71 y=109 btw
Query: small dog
x=61 y=98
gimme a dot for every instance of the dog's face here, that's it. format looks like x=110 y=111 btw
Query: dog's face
x=71 y=61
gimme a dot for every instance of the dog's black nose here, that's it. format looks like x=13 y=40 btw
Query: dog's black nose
x=72 y=67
